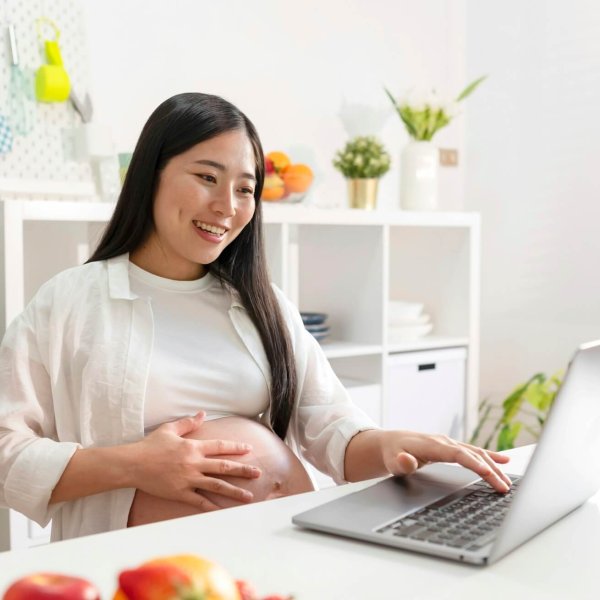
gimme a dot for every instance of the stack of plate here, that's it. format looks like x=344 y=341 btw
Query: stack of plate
x=406 y=321
x=316 y=324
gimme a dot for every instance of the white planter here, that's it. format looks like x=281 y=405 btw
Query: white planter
x=419 y=176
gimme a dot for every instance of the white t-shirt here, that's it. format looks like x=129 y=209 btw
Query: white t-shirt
x=198 y=360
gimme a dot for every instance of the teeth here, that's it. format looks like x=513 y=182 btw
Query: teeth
x=209 y=228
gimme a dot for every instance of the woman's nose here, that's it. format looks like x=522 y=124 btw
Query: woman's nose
x=224 y=202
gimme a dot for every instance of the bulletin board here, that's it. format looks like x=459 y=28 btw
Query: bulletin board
x=45 y=152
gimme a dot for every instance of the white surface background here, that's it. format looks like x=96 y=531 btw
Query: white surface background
x=286 y=65
x=532 y=142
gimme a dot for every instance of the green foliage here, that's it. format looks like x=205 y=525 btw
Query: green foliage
x=531 y=399
x=423 y=118
x=470 y=89
x=363 y=157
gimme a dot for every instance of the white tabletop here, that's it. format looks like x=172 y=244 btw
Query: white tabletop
x=259 y=543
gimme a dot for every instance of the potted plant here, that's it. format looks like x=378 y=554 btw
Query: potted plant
x=363 y=160
x=525 y=409
x=423 y=115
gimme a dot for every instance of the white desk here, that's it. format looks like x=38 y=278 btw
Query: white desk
x=259 y=543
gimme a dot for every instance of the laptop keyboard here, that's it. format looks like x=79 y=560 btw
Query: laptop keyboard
x=467 y=519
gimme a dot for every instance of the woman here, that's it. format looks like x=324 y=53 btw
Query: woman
x=173 y=313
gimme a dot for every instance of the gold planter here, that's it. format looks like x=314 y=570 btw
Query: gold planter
x=362 y=193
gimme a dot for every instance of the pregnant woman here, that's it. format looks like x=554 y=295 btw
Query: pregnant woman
x=104 y=374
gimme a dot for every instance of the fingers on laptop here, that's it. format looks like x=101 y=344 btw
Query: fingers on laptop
x=492 y=458
x=407 y=464
x=496 y=456
x=479 y=464
x=502 y=476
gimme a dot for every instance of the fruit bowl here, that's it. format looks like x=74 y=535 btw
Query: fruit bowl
x=285 y=181
x=294 y=197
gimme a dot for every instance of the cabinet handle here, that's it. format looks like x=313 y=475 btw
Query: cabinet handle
x=427 y=367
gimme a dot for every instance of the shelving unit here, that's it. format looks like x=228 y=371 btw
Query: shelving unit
x=429 y=342
x=345 y=263
x=350 y=263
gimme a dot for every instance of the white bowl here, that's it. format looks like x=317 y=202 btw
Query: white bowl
x=395 y=321
x=400 y=309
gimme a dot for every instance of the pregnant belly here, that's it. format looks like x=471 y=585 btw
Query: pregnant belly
x=282 y=472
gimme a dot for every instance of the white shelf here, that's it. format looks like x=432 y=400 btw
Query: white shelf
x=69 y=210
x=42 y=210
x=337 y=349
x=18 y=188
x=300 y=215
x=57 y=210
x=428 y=342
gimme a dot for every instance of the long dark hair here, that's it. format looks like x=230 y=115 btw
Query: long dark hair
x=175 y=126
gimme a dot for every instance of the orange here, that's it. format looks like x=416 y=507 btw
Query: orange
x=274 y=193
x=280 y=160
x=297 y=178
x=273 y=187
x=206 y=575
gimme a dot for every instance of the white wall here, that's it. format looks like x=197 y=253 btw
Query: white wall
x=532 y=147
x=287 y=66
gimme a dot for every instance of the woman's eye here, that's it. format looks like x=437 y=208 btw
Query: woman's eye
x=248 y=191
x=210 y=178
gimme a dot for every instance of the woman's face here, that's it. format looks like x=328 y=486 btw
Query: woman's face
x=205 y=197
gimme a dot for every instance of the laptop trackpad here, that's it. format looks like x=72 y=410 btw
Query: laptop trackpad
x=398 y=495
x=389 y=499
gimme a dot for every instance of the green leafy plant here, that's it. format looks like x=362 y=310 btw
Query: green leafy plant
x=531 y=400
x=363 y=157
x=425 y=114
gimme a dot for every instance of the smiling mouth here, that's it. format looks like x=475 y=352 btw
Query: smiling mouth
x=212 y=229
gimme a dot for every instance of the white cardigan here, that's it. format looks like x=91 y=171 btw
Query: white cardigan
x=73 y=373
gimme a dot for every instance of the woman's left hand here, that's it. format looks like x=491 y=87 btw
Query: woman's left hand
x=403 y=452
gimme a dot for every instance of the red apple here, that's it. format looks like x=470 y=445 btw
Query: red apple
x=51 y=586
x=158 y=582
x=246 y=590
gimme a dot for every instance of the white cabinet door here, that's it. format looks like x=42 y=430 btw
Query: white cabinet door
x=426 y=391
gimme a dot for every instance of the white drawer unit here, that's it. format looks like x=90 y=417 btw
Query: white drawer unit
x=426 y=391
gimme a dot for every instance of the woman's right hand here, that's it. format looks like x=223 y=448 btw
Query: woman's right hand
x=170 y=466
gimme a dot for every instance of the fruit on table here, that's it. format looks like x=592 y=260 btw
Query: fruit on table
x=280 y=160
x=51 y=586
x=273 y=188
x=297 y=178
x=283 y=178
x=248 y=592
x=157 y=582
x=178 y=577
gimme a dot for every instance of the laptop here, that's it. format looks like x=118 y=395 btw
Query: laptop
x=448 y=511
